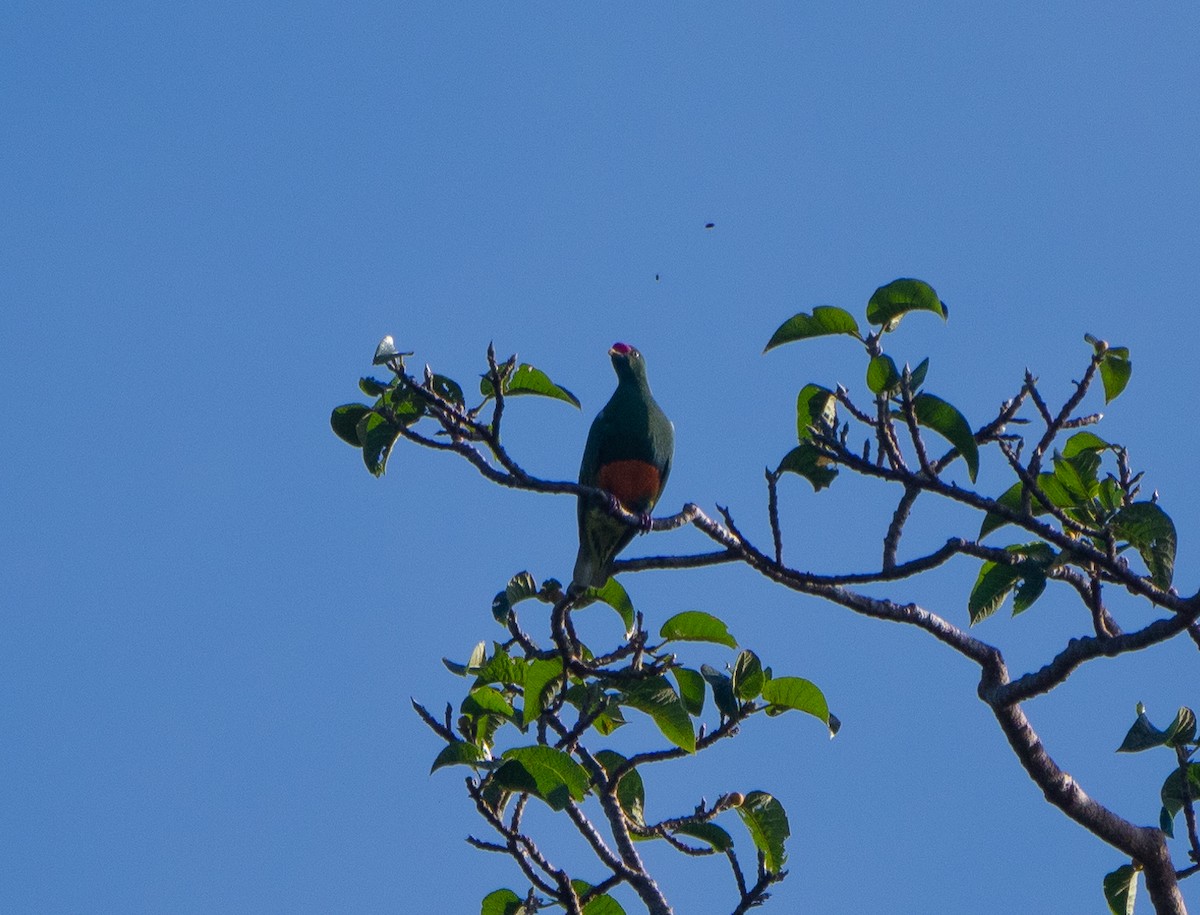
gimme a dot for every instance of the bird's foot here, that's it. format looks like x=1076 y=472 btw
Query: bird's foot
x=645 y=522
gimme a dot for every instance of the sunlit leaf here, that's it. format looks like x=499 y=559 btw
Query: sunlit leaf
x=1115 y=370
x=344 y=421
x=1120 y=887
x=815 y=406
x=710 y=833
x=796 y=693
x=824 y=320
x=502 y=902
x=546 y=772
x=539 y=676
x=892 y=302
x=882 y=374
x=631 y=791
x=1047 y=484
x=526 y=379
x=696 y=626
x=656 y=698
x=934 y=413
x=614 y=595
x=1152 y=533
x=748 y=676
x=1084 y=441
x=767 y=823
x=459 y=753
x=483 y=700
x=691 y=689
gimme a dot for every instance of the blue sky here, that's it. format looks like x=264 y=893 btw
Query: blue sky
x=214 y=617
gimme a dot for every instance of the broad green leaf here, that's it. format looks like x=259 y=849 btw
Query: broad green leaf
x=372 y=387
x=696 y=626
x=539 y=676
x=882 y=375
x=1173 y=788
x=824 y=320
x=722 y=687
x=376 y=435
x=526 y=379
x=796 y=693
x=991 y=587
x=601 y=904
x=1152 y=533
x=449 y=389
x=1049 y=486
x=767 y=823
x=592 y=696
x=1115 y=370
x=691 y=689
x=815 y=406
x=892 y=302
x=631 y=791
x=520 y=587
x=555 y=777
x=710 y=833
x=483 y=700
x=748 y=676
x=1120 y=887
x=1077 y=475
x=656 y=698
x=1142 y=735
x=459 y=753
x=809 y=463
x=1032 y=586
x=1182 y=730
x=344 y=421
x=502 y=902
x=501 y=668
x=917 y=376
x=942 y=418
x=614 y=595
x=1084 y=441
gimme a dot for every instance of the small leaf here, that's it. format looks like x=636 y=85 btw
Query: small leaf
x=459 y=753
x=1182 y=730
x=376 y=436
x=991 y=587
x=1152 y=533
x=767 y=823
x=696 y=626
x=748 y=676
x=941 y=417
x=1115 y=370
x=1084 y=441
x=344 y=421
x=656 y=698
x=545 y=772
x=809 y=463
x=1048 y=485
x=796 y=693
x=917 y=377
x=691 y=689
x=502 y=902
x=824 y=320
x=539 y=676
x=631 y=791
x=722 y=687
x=1173 y=788
x=710 y=833
x=600 y=904
x=614 y=595
x=372 y=387
x=892 y=302
x=529 y=380
x=1120 y=887
x=882 y=375
x=483 y=700
x=815 y=406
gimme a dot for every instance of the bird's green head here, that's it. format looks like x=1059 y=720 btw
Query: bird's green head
x=628 y=362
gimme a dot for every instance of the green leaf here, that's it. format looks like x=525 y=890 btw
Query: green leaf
x=483 y=700
x=539 y=676
x=474 y=662
x=631 y=791
x=656 y=698
x=1182 y=730
x=691 y=689
x=1152 y=533
x=882 y=375
x=917 y=377
x=1142 y=735
x=614 y=595
x=1120 y=887
x=824 y=320
x=449 y=389
x=942 y=418
x=528 y=380
x=601 y=904
x=372 y=387
x=1115 y=370
x=748 y=676
x=796 y=693
x=1172 y=793
x=815 y=406
x=545 y=772
x=722 y=687
x=500 y=668
x=809 y=463
x=991 y=587
x=1049 y=486
x=520 y=587
x=767 y=823
x=1077 y=475
x=710 y=833
x=892 y=302
x=459 y=753
x=376 y=435
x=1084 y=441
x=502 y=902
x=696 y=626
x=344 y=421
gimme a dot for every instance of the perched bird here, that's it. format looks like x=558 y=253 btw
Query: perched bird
x=628 y=454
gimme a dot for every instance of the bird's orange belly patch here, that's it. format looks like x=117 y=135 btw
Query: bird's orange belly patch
x=634 y=483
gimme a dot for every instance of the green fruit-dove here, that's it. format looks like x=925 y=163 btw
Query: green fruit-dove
x=628 y=454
